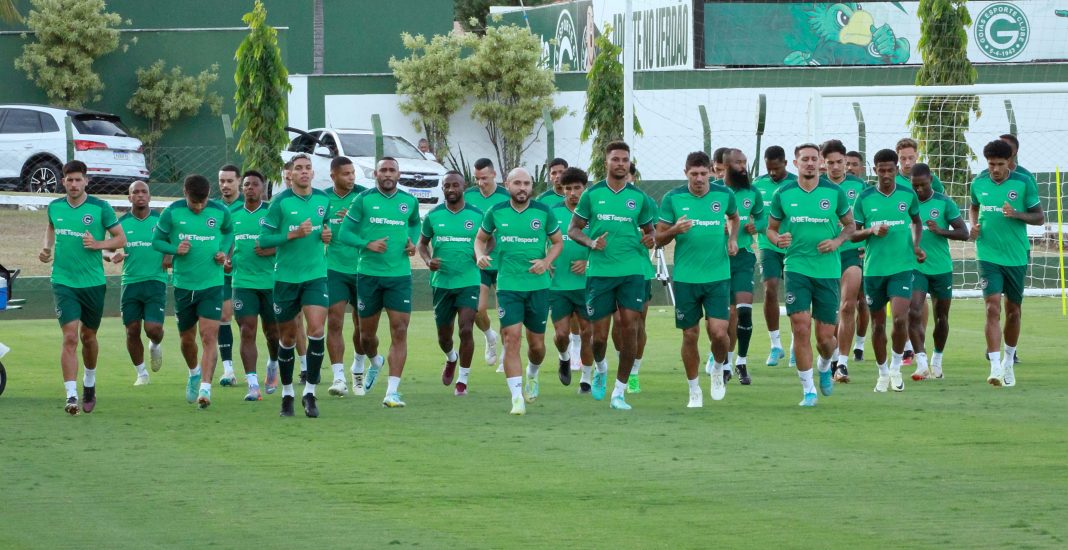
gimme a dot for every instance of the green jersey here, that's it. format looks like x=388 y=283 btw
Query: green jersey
x=1019 y=172
x=811 y=217
x=936 y=184
x=621 y=214
x=302 y=259
x=341 y=257
x=892 y=253
x=74 y=265
x=142 y=263
x=563 y=278
x=700 y=253
x=550 y=198
x=767 y=188
x=250 y=270
x=941 y=210
x=853 y=187
x=452 y=240
x=1002 y=240
x=474 y=197
x=373 y=216
x=522 y=236
x=750 y=209
x=209 y=232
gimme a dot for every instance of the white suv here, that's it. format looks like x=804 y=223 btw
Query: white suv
x=33 y=149
x=419 y=175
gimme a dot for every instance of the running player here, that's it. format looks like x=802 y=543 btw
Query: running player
x=719 y=163
x=144 y=282
x=771 y=256
x=1014 y=168
x=198 y=232
x=1002 y=204
x=341 y=263
x=302 y=338
x=384 y=223
x=567 y=294
x=523 y=230
x=750 y=206
x=703 y=221
x=296 y=227
x=855 y=165
x=78 y=229
x=621 y=217
x=253 y=284
x=633 y=383
x=942 y=221
x=885 y=214
x=819 y=221
x=483 y=196
x=449 y=230
x=554 y=195
x=230 y=196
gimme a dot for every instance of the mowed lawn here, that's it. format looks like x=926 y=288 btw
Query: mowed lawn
x=953 y=463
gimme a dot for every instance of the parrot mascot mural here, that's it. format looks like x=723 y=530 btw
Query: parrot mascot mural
x=841 y=34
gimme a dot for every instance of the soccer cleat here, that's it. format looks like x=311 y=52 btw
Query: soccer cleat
x=254 y=394
x=228 y=380
x=500 y=368
x=287 y=405
x=774 y=356
x=906 y=359
x=619 y=404
x=920 y=374
x=565 y=372
x=191 y=387
x=204 y=399
x=491 y=351
x=311 y=410
x=936 y=372
x=460 y=390
x=303 y=377
x=156 y=353
x=793 y=360
x=826 y=383
x=371 y=377
x=727 y=374
x=141 y=380
x=743 y=375
x=882 y=384
x=719 y=387
x=71 y=407
x=448 y=373
x=834 y=369
x=708 y=366
x=1016 y=358
x=392 y=401
x=338 y=388
x=584 y=388
x=600 y=385
x=530 y=392
x=896 y=383
x=519 y=407
x=1009 y=375
x=357 y=384
x=272 y=380
x=858 y=354
x=697 y=399
x=809 y=400
x=88 y=399
x=633 y=385
x=842 y=376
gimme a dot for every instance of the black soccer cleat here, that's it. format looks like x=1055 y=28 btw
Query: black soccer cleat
x=310 y=409
x=727 y=375
x=88 y=399
x=287 y=406
x=1016 y=359
x=565 y=372
x=834 y=368
x=858 y=354
x=743 y=375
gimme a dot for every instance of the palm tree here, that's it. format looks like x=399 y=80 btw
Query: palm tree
x=8 y=12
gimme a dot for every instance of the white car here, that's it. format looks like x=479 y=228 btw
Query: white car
x=419 y=176
x=34 y=148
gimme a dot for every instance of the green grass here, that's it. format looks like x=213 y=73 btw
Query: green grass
x=951 y=463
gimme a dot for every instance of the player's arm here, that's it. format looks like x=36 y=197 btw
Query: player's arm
x=556 y=245
x=1033 y=216
x=49 y=244
x=957 y=231
x=226 y=245
x=423 y=248
x=117 y=240
x=482 y=240
x=575 y=230
x=161 y=237
x=669 y=226
x=734 y=221
x=917 y=234
x=351 y=231
x=973 y=214
x=775 y=217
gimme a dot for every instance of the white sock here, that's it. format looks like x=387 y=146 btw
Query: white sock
x=822 y=364
x=995 y=360
x=89 y=378
x=565 y=355
x=895 y=362
x=619 y=390
x=576 y=343
x=452 y=356
x=587 y=374
x=141 y=370
x=464 y=373
x=205 y=386
x=152 y=346
x=908 y=345
x=532 y=369
x=357 y=363
x=602 y=366
x=287 y=389
x=695 y=384
x=806 y=381
x=636 y=366
x=339 y=371
x=883 y=369
x=272 y=363
x=309 y=389
x=1009 y=355
x=515 y=385
x=921 y=361
x=835 y=355
x=378 y=361
x=392 y=384
x=858 y=343
x=776 y=340
x=491 y=337
x=936 y=359
x=843 y=360
x=194 y=371
x=252 y=379
x=72 y=388
x=228 y=368
x=303 y=363
x=740 y=360
x=717 y=368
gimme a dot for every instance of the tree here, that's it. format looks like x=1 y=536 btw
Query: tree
x=9 y=13
x=261 y=98
x=162 y=97
x=69 y=36
x=472 y=13
x=511 y=90
x=604 y=102
x=430 y=81
x=939 y=122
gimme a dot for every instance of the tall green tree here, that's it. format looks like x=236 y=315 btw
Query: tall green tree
x=472 y=13
x=511 y=90
x=9 y=12
x=604 y=118
x=68 y=36
x=939 y=122
x=262 y=95
x=163 y=97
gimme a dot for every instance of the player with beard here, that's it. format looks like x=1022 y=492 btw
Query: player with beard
x=750 y=206
x=771 y=256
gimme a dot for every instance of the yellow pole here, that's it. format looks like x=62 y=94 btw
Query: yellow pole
x=1060 y=245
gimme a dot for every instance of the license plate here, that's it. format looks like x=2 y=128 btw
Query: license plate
x=121 y=155
x=420 y=193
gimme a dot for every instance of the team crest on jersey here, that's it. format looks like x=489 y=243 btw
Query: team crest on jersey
x=747 y=203
x=263 y=221
x=825 y=204
x=902 y=206
x=238 y=304
x=500 y=312
x=469 y=225
x=631 y=204
x=321 y=210
x=790 y=297
x=535 y=224
x=716 y=207
x=852 y=193
x=211 y=222
x=87 y=219
x=404 y=208
x=934 y=214
x=1013 y=195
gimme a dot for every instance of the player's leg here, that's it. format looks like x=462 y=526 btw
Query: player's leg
x=899 y=335
x=1013 y=291
x=68 y=312
x=535 y=315
x=208 y=330
x=248 y=327
x=132 y=309
x=743 y=332
x=992 y=281
x=800 y=299
x=941 y=332
x=153 y=298
x=847 y=315
x=302 y=346
x=771 y=269
x=335 y=344
x=91 y=300
x=513 y=369
x=691 y=358
x=563 y=305
x=369 y=308
x=315 y=319
x=629 y=293
x=717 y=335
x=271 y=334
x=466 y=324
x=226 y=335
x=287 y=314
x=397 y=301
x=633 y=383
x=916 y=326
x=600 y=308
x=575 y=350
x=863 y=320
x=877 y=307
x=444 y=316
x=486 y=294
x=826 y=301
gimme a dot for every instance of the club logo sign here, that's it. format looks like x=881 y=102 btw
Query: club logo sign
x=535 y=224
x=982 y=283
x=825 y=204
x=679 y=314
x=852 y=193
x=359 y=305
x=902 y=206
x=716 y=207
x=469 y=225
x=277 y=309
x=747 y=203
x=790 y=297
x=870 y=300
x=589 y=310
x=211 y=222
x=321 y=211
x=87 y=219
x=935 y=214
x=263 y=221
x=631 y=205
x=1013 y=195
x=403 y=208
x=238 y=304
x=59 y=312
x=1002 y=31
x=500 y=312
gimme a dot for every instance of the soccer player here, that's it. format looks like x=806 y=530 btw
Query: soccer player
x=819 y=220
x=253 y=284
x=78 y=230
x=620 y=216
x=750 y=206
x=888 y=222
x=567 y=294
x=485 y=195
x=230 y=195
x=696 y=216
x=633 y=383
x=855 y=165
x=1014 y=168
x=719 y=163
x=449 y=230
x=834 y=158
x=301 y=337
x=555 y=194
x=341 y=262
x=523 y=229
x=942 y=221
x=384 y=223
x=296 y=227
x=198 y=232
x=771 y=256
x=1002 y=204
x=144 y=282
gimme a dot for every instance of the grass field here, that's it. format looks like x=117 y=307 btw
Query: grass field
x=954 y=463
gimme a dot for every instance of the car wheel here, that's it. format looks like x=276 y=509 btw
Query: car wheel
x=44 y=176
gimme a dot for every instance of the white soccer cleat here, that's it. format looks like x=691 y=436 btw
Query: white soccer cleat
x=997 y=377
x=936 y=372
x=156 y=354
x=697 y=399
x=338 y=388
x=882 y=384
x=920 y=374
x=141 y=381
x=357 y=385
x=500 y=368
x=519 y=406
x=491 y=350
x=719 y=388
x=1008 y=375
x=896 y=383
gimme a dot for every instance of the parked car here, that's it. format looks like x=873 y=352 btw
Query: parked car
x=33 y=149
x=419 y=176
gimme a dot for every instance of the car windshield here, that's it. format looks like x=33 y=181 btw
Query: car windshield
x=99 y=126
x=363 y=145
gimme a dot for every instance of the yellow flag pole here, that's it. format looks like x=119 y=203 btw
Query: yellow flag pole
x=1060 y=245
